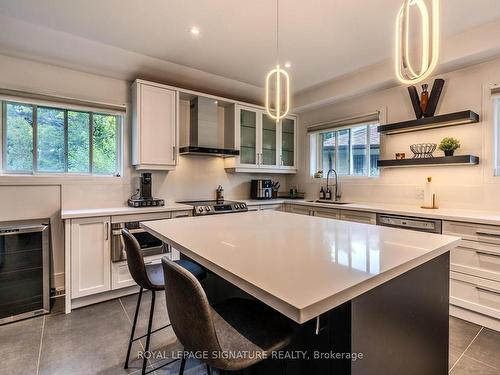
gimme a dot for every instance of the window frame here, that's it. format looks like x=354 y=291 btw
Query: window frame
x=34 y=171
x=496 y=133
x=319 y=156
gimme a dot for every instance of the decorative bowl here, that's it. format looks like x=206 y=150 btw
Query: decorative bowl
x=423 y=150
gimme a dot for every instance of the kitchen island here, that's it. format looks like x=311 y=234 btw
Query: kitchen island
x=349 y=288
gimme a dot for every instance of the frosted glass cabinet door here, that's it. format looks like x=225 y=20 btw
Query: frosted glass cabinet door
x=269 y=135
x=288 y=142
x=248 y=137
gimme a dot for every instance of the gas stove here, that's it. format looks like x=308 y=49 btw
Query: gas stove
x=213 y=207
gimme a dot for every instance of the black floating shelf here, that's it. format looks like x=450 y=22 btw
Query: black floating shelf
x=422 y=162
x=450 y=119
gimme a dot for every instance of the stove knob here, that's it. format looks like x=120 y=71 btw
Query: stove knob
x=208 y=208
x=200 y=209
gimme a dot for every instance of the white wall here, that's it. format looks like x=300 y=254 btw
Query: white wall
x=470 y=187
x=195 y=177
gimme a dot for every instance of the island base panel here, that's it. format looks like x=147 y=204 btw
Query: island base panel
x=401 y=327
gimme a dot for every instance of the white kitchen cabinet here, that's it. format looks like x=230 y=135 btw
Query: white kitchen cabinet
x=358 y=216
x=90 y=256
x=154 y=126
x=265 y=146
x=475 y=273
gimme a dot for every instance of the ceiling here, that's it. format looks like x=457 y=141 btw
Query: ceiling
x=323 y=39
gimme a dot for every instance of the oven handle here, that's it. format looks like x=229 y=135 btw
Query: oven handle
x=32 y=229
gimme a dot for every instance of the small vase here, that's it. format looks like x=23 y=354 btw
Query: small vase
x=424 y=98
x=449 y=152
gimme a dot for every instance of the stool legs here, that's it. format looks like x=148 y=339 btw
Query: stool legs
x=183 y=364
x=133 y=328
x=148 y=336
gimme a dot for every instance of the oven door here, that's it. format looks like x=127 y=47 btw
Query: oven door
x=150 y=245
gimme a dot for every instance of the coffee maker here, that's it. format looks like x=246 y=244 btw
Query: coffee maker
x=146 y=193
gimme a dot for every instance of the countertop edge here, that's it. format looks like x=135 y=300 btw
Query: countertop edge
x=112 y=211
x=469 y=216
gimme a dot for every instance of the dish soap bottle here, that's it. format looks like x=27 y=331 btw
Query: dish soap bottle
x=328 y=194
x=322 y=193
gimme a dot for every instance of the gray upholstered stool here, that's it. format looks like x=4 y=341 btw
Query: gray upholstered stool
x=149 y=277
x=231 y=326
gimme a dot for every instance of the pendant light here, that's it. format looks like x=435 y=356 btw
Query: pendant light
x=274 y=78
x=430 y=41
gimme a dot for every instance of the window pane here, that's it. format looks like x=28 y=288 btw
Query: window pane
x=374 y=150
x=78 y=142
x=328 y=154
x=359 y=151
x=19 y=137
x=343 y=162
x=104 y=141
x=50 y=142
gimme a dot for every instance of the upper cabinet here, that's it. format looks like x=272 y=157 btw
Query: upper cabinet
x=154 y=126
x=265 y=146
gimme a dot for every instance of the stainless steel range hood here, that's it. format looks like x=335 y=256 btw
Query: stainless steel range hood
x=205 y=132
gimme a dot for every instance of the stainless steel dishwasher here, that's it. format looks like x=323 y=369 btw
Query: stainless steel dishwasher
x=409 y=222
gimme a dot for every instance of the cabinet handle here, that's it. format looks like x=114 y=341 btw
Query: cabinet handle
x=173 y=153
x=487 y=233
x=490 y=253
x=106 y=230
x=485 y=289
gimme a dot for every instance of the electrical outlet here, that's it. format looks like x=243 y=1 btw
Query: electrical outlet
x=419 y=192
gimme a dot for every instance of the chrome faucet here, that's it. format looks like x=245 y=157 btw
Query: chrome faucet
x=338 y=193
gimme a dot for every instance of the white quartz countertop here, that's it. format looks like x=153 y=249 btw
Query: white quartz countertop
x=93 y=212
x=300 y=265
x=473 y=216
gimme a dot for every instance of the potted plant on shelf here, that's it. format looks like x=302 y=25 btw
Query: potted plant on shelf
x=449 y=145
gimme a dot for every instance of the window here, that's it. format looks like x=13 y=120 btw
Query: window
x=351 y=151
x=496 y=121
x=41 y=139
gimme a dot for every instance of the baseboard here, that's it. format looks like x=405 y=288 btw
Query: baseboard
x=474 y=317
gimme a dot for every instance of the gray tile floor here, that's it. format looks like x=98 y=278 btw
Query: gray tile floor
x=93 y=340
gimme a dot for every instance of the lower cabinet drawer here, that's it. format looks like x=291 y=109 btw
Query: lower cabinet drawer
x=120 y=275
x=471 y=231
x=475 y=293
x=477 y=259
x=274 y=207
x=358 y=216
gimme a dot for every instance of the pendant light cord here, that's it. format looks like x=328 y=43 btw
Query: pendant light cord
x=277 y=32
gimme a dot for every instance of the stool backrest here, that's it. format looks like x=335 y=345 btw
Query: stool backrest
x=188 y=308
x=135 y=260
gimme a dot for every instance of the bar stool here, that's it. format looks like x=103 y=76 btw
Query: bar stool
x=149 y=277
x=235 y=325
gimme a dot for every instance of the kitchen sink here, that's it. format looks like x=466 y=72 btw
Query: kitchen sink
x=329 y=202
